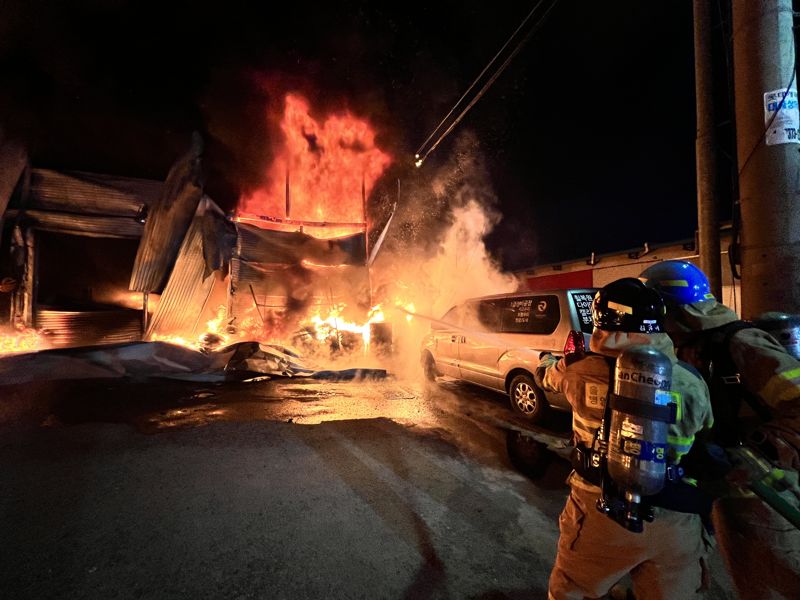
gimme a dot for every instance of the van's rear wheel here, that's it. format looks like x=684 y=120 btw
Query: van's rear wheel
x=527 y=399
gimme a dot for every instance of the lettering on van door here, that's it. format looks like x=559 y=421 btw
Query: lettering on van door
x=521 y=309
x=538 y=315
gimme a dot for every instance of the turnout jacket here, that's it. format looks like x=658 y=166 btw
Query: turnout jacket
x=585 y=383
x=765 y=369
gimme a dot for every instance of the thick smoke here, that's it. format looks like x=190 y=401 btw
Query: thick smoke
x=435 y=256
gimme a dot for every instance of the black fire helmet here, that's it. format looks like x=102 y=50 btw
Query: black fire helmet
x=628 y=305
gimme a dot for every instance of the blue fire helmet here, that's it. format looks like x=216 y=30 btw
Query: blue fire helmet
x=678 y=281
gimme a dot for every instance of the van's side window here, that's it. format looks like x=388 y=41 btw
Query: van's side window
x=489 y=315
x=529 y=314
x=482 y=315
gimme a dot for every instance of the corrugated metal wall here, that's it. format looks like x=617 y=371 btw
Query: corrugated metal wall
x=187 y=290
x=82 y=328
x=85 y=205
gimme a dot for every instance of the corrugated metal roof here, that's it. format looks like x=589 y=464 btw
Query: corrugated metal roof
x=291 y=247
x=84 y=328
x=73 y=191
x=167 y=224
x=85 y=225
x=13 y=160
x=187 y=290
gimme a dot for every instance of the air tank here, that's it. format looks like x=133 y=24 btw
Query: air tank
x=637 y=449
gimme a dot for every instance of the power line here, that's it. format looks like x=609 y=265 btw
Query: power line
x=420 y=156
x=482 y=73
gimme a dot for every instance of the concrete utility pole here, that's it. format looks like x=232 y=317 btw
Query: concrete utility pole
x=706 y=149
x=764 y=63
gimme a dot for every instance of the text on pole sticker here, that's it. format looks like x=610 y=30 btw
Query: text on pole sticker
x=781 y=117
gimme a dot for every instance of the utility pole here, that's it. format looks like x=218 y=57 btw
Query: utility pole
x=767 y=147
x=706 y=149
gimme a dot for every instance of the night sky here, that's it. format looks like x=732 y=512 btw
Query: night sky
x=588 y=136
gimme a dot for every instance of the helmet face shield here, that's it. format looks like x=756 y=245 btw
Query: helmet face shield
x=627 y=305
x=679 y=282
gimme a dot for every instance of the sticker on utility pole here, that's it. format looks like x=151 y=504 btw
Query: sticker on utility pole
x=781 y=119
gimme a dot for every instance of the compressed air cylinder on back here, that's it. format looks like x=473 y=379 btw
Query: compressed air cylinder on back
x=637 y=449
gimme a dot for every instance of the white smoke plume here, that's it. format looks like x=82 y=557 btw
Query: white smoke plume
x=437 y=257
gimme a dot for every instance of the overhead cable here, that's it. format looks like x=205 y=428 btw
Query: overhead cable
x=422 y=153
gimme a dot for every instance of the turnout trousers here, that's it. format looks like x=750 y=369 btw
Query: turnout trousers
x=666 y=561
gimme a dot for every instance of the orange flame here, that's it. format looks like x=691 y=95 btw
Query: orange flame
x=326 y=165
x=329 y=323
x=21 y=340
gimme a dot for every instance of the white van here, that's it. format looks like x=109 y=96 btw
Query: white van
x=495 y=342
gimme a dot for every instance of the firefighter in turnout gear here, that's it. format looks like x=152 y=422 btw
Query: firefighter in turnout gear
x=665 y=558
x=755 y=392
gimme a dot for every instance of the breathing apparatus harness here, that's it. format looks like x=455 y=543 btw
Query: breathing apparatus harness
x=726 y=387
x=628 y=456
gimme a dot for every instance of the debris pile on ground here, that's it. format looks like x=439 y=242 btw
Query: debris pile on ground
x=143 y=360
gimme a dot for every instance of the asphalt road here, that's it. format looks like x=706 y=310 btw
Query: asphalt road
x=288 y=489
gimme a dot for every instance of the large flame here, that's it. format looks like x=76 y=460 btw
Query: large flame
x=328 y=168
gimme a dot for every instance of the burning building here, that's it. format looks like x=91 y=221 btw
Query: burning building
x=93 y=259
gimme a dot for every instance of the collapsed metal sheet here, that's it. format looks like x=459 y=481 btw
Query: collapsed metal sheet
x=248 y=361
x=77 y=192
x=135 y=360
x=190 y=284
x=168 y=221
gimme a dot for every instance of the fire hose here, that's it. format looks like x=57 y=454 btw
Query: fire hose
x=765 y=481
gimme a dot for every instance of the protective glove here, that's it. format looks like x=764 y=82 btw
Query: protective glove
x=546 y=360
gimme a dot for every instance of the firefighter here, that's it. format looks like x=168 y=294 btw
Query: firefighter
x=666 y=559
x=755 y=392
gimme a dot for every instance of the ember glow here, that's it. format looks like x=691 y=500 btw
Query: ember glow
x=21 y=340
x=322 y=171
x=214 y=336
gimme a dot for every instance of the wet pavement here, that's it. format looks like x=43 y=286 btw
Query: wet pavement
x=274 y=489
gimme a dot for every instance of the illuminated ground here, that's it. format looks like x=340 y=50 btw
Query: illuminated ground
x=292 y=489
